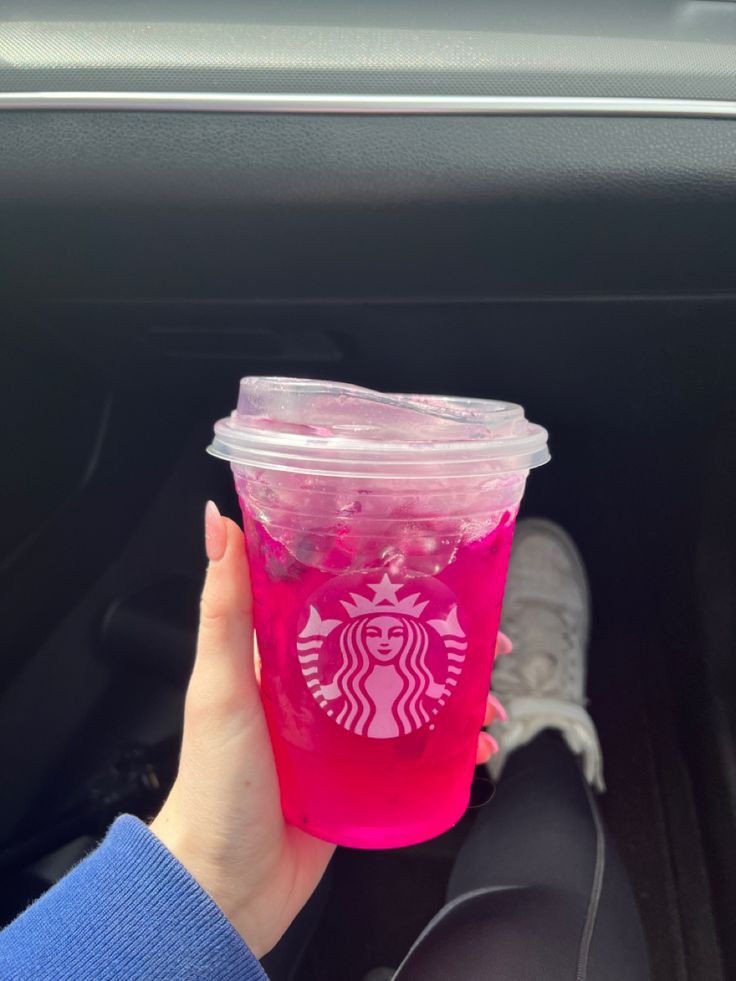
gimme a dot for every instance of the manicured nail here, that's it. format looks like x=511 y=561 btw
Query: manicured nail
x=215 y=532
x=490 y=742
x=499 y=712
x=504 y=644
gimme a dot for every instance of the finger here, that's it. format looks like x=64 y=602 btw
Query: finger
x=257 y=664
x=224 y=663
x=494 y=710
x=504 y=644
x=487 y=746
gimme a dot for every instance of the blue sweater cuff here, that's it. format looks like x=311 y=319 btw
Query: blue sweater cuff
x=129 y=910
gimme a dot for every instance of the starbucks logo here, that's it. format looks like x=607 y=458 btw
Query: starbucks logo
x=380 y=663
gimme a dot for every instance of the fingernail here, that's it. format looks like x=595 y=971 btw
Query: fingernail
x=505 y=644
x=490 y=742
x=499 y=712
x=215 y=533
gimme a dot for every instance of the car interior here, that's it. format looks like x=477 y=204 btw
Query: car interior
x=526 y=201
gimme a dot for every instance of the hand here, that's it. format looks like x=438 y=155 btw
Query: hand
x=222 y=819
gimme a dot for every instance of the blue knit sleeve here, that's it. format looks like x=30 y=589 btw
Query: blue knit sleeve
x=130 y=910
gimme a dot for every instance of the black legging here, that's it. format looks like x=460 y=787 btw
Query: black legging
x=537 y=892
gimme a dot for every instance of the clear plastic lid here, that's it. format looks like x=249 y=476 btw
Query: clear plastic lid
x=331 y=428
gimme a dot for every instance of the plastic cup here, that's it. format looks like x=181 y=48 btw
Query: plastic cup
x=378 y=530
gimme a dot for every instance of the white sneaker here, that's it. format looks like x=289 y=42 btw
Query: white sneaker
x=546 y=613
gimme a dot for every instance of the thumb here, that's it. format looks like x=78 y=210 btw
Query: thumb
x=223 y=672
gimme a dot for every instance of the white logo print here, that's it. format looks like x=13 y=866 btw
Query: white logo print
x=377 y=664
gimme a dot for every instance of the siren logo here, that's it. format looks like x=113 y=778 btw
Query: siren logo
x=380 y=663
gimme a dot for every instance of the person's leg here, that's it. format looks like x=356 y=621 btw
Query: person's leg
x=543 y=833
x=537 y=892
x=540 y=829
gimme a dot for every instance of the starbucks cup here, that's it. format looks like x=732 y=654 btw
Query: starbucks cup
x=378 y=530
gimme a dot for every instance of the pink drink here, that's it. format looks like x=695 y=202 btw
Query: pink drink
x=378 y=568
x=382 y=791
